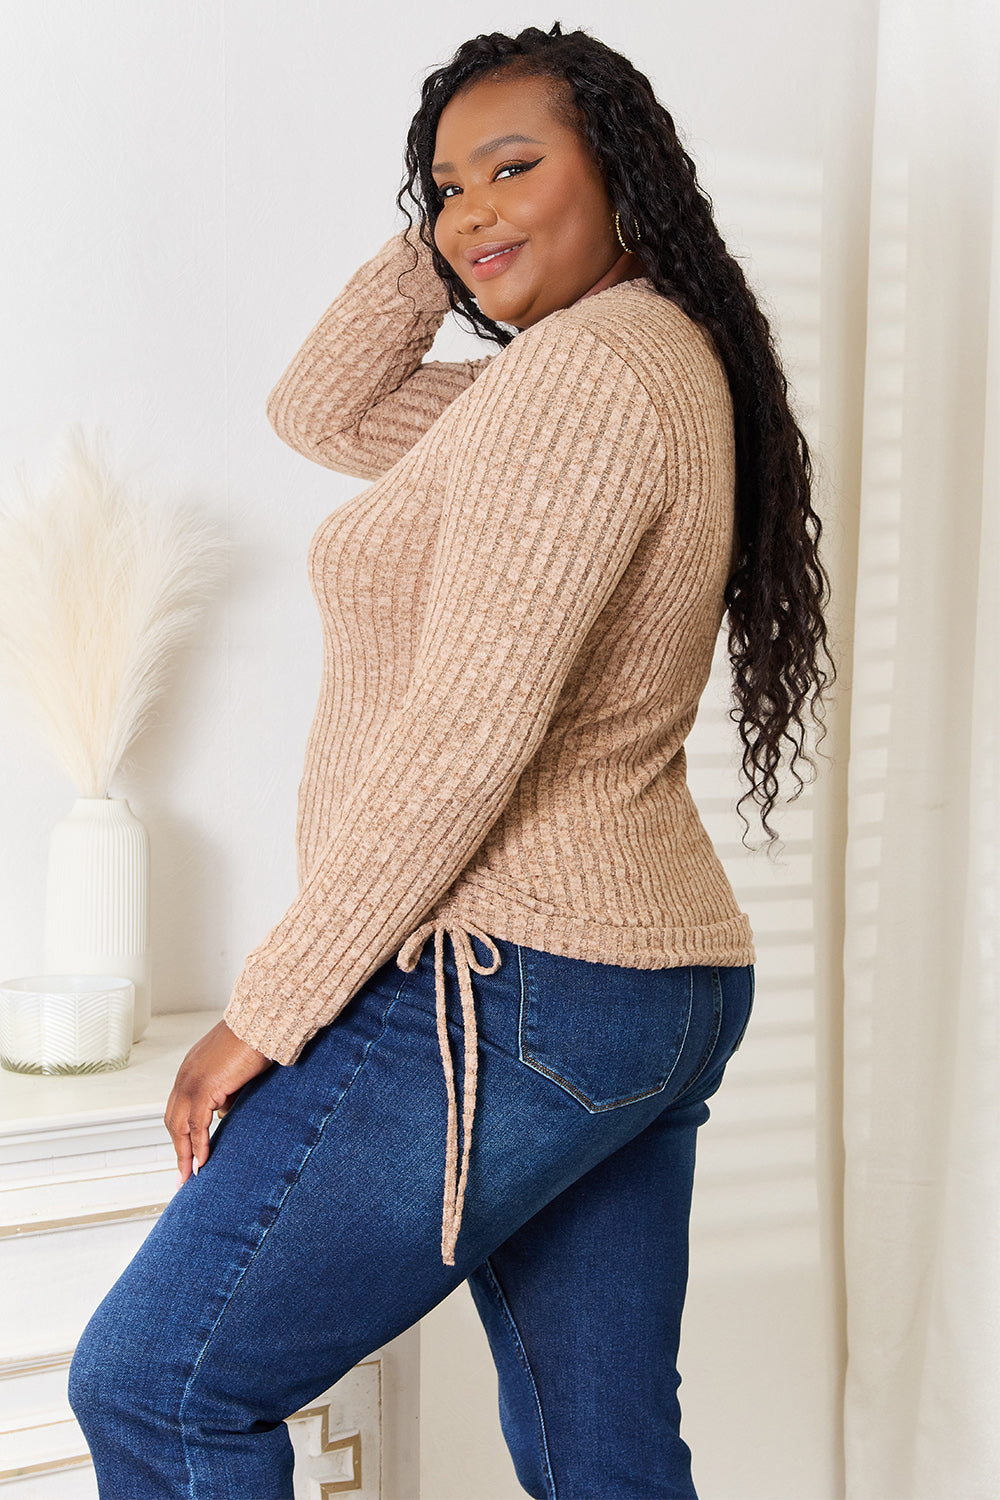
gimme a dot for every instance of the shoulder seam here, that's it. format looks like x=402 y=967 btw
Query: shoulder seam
x=635 y=373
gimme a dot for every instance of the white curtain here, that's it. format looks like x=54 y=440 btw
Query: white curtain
x=922 y=956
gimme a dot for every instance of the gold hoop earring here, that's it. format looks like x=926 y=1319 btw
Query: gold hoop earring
x=618 y=231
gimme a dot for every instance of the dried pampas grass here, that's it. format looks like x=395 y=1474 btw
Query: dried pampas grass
x=97 y=588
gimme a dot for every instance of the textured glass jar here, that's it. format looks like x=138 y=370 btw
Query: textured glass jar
x=66 y=1023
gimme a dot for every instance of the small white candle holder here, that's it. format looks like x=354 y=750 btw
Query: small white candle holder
x=66 y=1023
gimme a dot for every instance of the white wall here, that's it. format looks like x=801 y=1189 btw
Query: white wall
x=186 y=187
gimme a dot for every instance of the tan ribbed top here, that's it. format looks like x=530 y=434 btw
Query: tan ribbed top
x=519 y=616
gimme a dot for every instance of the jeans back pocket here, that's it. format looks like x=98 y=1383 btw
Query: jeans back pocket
x=606 y=1034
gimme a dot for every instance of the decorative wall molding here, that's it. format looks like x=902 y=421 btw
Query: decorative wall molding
x=81 y=1221
x=35 y=1364
x=37 y=1471
x=338 y=1439
x=343 y=1453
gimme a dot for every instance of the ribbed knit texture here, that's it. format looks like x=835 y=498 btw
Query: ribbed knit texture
x=519 y=616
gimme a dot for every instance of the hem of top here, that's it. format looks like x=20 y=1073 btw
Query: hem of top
x=728 y=943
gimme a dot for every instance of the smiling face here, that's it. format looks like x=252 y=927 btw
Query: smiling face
x=517 y=181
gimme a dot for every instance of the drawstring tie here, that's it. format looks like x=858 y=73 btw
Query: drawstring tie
x=465 y=962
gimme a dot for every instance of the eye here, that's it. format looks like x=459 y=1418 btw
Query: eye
x=516 y=166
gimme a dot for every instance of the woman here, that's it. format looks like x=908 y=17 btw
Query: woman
x=519 y=619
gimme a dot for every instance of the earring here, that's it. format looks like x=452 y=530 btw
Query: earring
x=618 y=231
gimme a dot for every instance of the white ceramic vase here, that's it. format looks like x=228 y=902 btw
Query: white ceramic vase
x=97 y=904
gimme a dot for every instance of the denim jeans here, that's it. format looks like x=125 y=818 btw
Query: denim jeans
x=313 y=1233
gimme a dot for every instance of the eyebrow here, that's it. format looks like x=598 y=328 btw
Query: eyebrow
x=484 y=150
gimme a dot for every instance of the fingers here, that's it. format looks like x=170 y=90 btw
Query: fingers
x=188 y=1117
x=177 y=1119
x=191 y=1149
x=199 y=1139
x=208 y=1081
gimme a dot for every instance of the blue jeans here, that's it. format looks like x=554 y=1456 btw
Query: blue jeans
x=313 y=1233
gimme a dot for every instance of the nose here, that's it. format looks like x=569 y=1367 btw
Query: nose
x=476 y=212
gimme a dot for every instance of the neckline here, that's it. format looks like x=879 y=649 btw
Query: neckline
x=642 y=282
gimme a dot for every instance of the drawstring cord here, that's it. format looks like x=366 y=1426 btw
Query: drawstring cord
x=465 y=962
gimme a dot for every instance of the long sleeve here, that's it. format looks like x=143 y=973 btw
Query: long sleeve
x=356 y=397
x=556 y=465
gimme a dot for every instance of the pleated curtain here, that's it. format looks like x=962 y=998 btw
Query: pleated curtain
x=922 y=943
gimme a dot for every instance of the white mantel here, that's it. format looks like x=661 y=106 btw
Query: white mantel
x=86 y=1165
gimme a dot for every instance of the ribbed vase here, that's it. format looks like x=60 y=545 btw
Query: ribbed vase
x=97 y=905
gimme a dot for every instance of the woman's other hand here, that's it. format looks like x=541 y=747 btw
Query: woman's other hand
x=207 y=1081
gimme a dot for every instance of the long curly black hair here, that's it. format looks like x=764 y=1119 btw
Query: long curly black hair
x=776 y=595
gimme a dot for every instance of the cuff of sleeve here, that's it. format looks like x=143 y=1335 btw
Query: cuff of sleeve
x=418 y=280
x=252 y=1018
